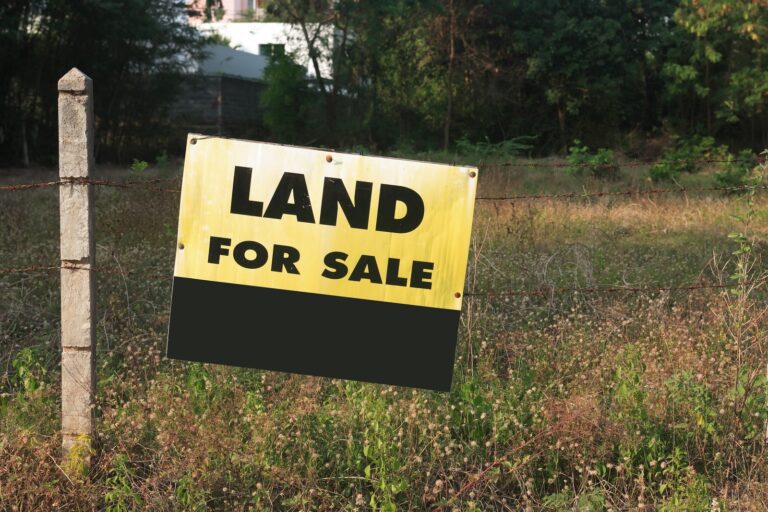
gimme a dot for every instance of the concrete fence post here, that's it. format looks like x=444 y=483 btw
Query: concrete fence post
x=77 y=259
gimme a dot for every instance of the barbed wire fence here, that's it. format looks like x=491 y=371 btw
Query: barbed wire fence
x=172 y=185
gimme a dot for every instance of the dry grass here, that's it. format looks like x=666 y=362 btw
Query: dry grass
x=566 y=401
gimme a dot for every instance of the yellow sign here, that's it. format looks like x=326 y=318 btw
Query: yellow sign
x=330 y=223
x=320 y=263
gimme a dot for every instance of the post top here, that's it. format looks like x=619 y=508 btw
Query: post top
x=75 y=81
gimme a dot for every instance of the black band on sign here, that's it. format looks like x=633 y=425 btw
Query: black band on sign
x=312 y=334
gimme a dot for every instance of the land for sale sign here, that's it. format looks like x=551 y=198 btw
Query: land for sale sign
x=320 y=263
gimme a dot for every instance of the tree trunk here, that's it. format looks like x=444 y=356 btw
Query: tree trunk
x=708 y=100
x=330 y=102
x=449 y=78
x=24 y=144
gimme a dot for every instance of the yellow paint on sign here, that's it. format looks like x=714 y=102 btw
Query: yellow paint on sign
x=439 y=243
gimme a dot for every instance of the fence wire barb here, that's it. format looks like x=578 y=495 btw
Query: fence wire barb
x=152 y=185
x=490 y=293
x=74 y=266
x=28 y=270
x=639 y=163
x=606 y=289
x=140 y=184
x=622 y=193
x=28 y=186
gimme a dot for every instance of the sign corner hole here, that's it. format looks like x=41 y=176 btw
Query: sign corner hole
x=181 y=247
x=457 y=295
x=472 y=174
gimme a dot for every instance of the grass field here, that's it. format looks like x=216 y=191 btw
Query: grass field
x=561 y=400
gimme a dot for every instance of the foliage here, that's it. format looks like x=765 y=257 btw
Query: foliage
x=601 y=163
x=163 y=164
x=560 y=401
x=138 y=166
x=216 y=38
x=76 y=464
x=134 y=50
x=30 y=373
x=120 y=495
x=716 y=68
x=688 y=155
x=285 y=99
x=486 y=151
x=737 y=171
x=420 y=74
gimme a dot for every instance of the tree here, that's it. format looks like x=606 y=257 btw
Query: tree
x=717 y=74
x=285 y=100
x=134 y=50
x=318 y=21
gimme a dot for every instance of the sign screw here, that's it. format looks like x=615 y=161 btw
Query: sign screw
x=193 y=141
x=181 y=247
x=328 y=158
x=472 y=174
x=457 y=295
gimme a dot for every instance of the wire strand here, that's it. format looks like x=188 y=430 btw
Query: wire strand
x=548 y=291
x=622 y=193
x=605 y=289
x=152 y=185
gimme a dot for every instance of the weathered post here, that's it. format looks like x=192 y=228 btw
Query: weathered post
x=77 y=258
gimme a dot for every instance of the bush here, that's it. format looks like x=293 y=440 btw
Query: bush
x=737 y=171
x=687 y=156
x=285 y=100
x=601 y=164
x=485 y=151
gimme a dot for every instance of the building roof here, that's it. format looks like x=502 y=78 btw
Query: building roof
x=224 y=61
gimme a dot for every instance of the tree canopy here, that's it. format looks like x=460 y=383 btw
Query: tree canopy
x=431 y=72
x=409 y=73
x=133 y=50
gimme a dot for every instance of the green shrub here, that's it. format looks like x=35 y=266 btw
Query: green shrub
x=139 y=165
x=285 y=99
x=30 y=371
x=121 y=495
x=687 y=156
x=600 y=164
x=162 y=162
x=484 y=151
x=737 y=171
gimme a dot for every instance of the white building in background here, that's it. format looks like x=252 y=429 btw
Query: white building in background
x=268 y=39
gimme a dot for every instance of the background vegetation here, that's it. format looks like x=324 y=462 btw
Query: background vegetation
x=134 y=50
x=411 y=74
x=429 y=73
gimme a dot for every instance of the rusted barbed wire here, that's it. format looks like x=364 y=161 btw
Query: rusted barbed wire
x=541 y=291
x=143 y=184
x=149 y=184
x=638 y=163
x=29 y=186
x=29 y=270
x=140 y=184
x=622 y=193
x=102 y=270
x=152 y=185
x=605 y=289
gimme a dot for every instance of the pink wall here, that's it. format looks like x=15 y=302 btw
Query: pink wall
x=232 y=9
